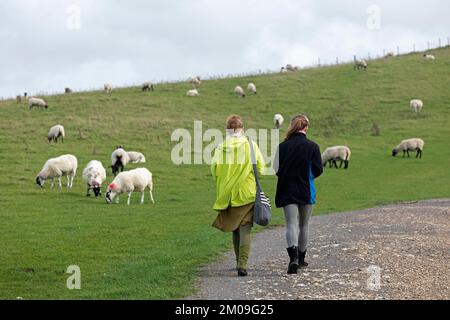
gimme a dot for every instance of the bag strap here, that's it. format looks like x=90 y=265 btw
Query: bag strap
x=255 y=169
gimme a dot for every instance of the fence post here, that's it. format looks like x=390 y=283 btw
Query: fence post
x=448 y=41
x=398 y=51
x=384 y=52
x=337 y=60
x=440 y=44
x=319 y=62
x=428 y=45
x=414 y=47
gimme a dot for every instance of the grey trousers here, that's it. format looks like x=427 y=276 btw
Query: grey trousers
x=297 y=225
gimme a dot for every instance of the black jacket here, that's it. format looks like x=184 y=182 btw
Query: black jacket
x=297 y=163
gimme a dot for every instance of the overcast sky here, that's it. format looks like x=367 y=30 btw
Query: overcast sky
x=50 y=44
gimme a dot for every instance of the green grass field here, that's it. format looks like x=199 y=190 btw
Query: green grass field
x=155 y=251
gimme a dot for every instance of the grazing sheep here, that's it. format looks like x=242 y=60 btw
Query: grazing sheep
x=38 y=103
x=94 y=175
x=56 y=168
x=146 y=87
x=416 y=105
x=290 y=67
x=193 y=93
x=278 y=120
x=239 y=92
x=55 y=133
x=195 y=81
x=429 y=57
x=119 y=160
x=331 y=155
x=390 y=54
x=252 y=88
x=67 y=91
x=136 y=157
x=410 y=145
x=128 y=182
x=360 y=65
x=108 y=88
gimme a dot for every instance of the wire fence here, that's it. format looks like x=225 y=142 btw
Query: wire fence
x=397 y=51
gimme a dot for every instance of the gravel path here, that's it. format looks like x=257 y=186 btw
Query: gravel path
x=408 y=245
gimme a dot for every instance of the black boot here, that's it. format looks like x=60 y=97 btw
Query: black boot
x=301 y=259
x=293 y=263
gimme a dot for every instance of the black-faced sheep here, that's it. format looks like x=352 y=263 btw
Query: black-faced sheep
x=55 y=133
x=334 y=154
x=409 y=145
x=56 y=168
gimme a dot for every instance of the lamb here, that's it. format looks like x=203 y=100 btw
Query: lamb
x=94 y=175
x=193 y=93
x=360 y=65
x=119 y=160
x=252 y=88
x=331 y=155
x=239 y=92
x=146 y=87
x=38 y=103
x=55 y=133
x=195 y=81
x=416 y=105
x=429 y=57
x=108 y=88
x=136 y=157
x=65 y=165
x=410 y=145
x=278 y=120
x=68 y=91
x=128 y=182
x=390 y=54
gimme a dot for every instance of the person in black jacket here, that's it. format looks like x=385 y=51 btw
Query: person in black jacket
x=297 y=163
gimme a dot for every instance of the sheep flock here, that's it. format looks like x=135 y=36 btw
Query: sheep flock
x=141 y=179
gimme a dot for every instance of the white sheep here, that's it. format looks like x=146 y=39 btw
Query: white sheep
x=128 y=182
x=333 y=154
x=290 y=67
x=252 y=88
x=108 y=88
x=416 y=105
x=195 y=81
x=94 y=175
x=38 y=103
x=429 y=57
x=56 y=168
x=193 y=93
x=360 y=65
x=410 y=145
x=146 y=87
x=55 y=133
x=390 y=54
x=119 y=160
x=239 y=92
x=136 y=157
x=278 y=121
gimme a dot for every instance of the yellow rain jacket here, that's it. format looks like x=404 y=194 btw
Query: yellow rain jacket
x=232 y=170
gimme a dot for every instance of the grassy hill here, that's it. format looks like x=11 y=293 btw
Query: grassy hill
x=154 y=251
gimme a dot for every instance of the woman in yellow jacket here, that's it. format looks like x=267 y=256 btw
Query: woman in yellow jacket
x=232 y=171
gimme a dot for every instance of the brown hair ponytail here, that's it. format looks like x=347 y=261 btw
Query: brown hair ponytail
x=298 y=123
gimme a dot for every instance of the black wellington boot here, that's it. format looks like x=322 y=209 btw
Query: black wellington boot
x=293 y=263
x=301 y=259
